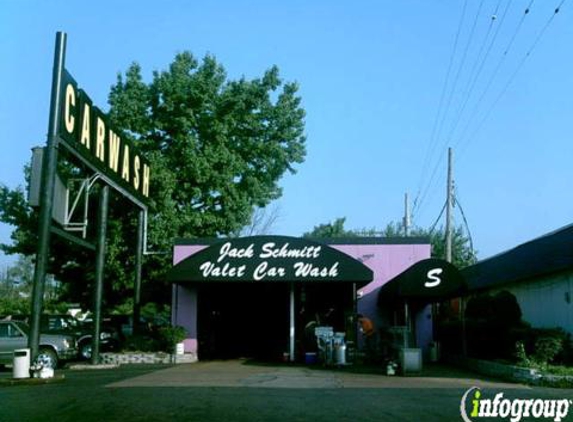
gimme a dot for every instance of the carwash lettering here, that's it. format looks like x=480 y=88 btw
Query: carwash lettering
x=473 y=406
x=300 y=260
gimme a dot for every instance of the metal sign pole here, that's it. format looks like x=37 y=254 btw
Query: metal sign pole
x=46 y=195
x=138 y=263
x=292 y=328
x=100 y=261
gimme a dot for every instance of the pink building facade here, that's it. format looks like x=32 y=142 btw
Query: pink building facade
x=386 y=258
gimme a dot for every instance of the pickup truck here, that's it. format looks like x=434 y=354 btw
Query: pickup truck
x=53 y=349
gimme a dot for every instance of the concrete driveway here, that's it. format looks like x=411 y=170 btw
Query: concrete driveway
x=238 y=373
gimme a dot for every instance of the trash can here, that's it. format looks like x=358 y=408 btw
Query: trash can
x=411 y=360
x=434 y=351
x=339 y=348
x=21 y=366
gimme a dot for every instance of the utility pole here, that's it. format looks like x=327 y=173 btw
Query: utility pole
x=406 y=221
x=449 y=205
x=449 y=227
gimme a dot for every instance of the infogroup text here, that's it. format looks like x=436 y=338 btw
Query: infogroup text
x=474 y=406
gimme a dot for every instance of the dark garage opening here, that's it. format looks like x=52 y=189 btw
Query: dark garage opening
x=251 y=320
x=243 y=320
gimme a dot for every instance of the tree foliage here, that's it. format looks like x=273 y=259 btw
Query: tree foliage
x=462 y=252
x=217 y=149
x=331 y=230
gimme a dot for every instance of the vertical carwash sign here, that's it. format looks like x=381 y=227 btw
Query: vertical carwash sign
x=86 y=132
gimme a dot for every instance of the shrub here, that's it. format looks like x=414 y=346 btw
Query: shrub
x=506 y=310
x=548 y=344
x=142 y=343
x=521 y=355
x=542 y=348
x=171 y=335
x=493 y=326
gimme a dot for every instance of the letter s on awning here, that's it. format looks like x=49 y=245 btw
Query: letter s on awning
x=427 y=281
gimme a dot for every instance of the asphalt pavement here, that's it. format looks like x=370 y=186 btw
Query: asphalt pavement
x=247 y=391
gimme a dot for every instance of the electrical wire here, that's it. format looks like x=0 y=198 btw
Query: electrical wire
x=433 y=226
x=440 y=107
x=475 y=76
x=424 y=190
x=457 y=201
x=430 y=184
x=495 y=72
x=514 y=74
x=453 y=87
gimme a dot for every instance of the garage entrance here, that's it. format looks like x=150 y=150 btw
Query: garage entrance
x=243 y=320
x=250 y=320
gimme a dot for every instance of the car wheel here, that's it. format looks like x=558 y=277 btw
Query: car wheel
x=86 y=350
x=48 y=358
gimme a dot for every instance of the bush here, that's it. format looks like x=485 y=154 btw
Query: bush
x=171 y=335
x=493 y=326
x=506 y=310
x=543 y=347
x=547 y=344
x=142 y=343
x=521 y=355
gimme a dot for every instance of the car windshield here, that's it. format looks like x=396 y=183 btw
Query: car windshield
x=62 y=323
x=22 y=326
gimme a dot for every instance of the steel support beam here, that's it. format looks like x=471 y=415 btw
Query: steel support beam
x=99 y=270
x=47 y=196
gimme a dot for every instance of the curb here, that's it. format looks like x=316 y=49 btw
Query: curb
x=87 y=367
x=32 y=381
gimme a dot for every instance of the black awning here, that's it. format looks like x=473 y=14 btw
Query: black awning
x=270 y=259
x=428 y=281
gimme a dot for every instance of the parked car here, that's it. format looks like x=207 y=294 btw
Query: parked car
x=124 y=323
x=53 y=348
x=110 y=339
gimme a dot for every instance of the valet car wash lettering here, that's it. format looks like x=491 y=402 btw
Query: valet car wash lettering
x=274 y=262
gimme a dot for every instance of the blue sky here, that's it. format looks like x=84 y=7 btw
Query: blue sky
x=371 y=76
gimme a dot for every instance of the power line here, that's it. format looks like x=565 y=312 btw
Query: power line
x=427 y=185
x=492 y=20
x=475 y=76
x=454 y=85
x=514 y=74
x=433 y=226
x=495 y=72
x=429 y=150
x=449 y=101
x=457 y=201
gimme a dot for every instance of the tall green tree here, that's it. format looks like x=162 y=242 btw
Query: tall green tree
x=217 y=149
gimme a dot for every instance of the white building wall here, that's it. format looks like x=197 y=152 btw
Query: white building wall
x=546 y=302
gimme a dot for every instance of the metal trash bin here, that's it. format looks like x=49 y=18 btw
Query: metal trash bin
x=339 y=348
x=411 y=360
x=21 y=366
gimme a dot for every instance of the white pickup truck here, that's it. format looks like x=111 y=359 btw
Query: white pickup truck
x=53 y=347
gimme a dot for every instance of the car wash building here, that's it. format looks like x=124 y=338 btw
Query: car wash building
x=260 y=296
